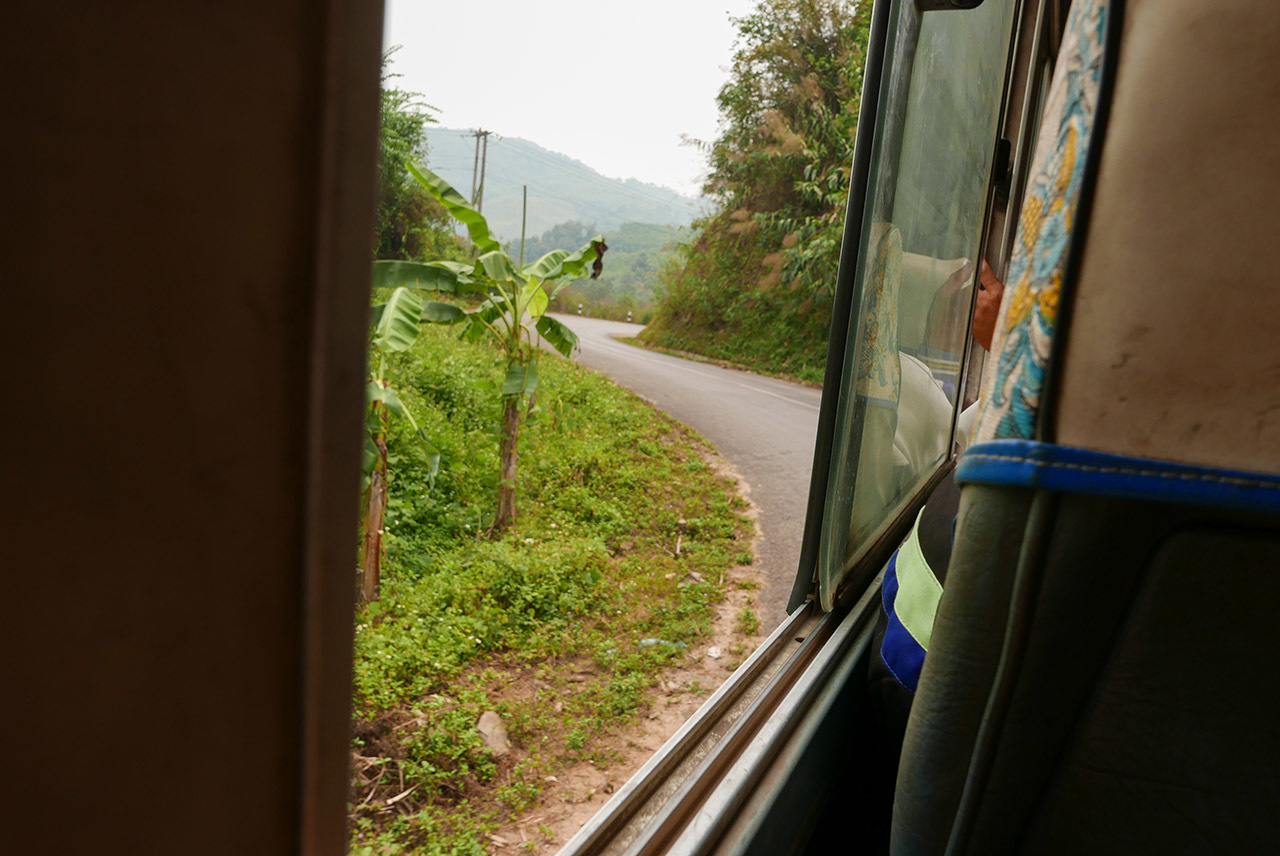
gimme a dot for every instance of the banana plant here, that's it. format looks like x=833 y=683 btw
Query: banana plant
x=512 y=314
x=395 y=326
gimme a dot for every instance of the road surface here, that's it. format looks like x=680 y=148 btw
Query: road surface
x=764 y=427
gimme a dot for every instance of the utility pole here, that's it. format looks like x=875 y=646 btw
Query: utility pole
x=475 y=166
x=477 y=190
x=524 y=218
x=484 y=158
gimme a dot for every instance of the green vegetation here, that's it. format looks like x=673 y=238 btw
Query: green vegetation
x=558 y=627
x=746 y=622
x=637 y=252
x=410 y=224
x=510 y=293
x=557 y=624
x=395 y=326
x=754 y=286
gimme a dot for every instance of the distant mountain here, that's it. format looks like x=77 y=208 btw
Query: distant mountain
x=561 y=189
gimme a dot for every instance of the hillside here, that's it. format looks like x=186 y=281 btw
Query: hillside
x=636 y=256
x=561 y=189
x=755 y=286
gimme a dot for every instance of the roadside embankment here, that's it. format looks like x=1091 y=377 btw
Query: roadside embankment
x=503 y=686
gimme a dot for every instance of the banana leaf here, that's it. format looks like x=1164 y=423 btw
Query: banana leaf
x=520 y=380
x=496 y=265
x=558 y=263
x=371 y=454
x=387 y=396
x=488 y=312
x=398 y=321
x=557 y=335
x=431 y=276
x=455 y=204
x=533 y=299
x=435 y=312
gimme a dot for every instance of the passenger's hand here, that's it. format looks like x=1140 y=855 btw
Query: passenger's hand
x=990 y=291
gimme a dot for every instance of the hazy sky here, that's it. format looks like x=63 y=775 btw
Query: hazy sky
x=612 y=84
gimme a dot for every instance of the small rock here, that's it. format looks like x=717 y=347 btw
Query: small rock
x=493 y=732
x=714 y=652
x=691 y=577
x=669 y=576
x=550 y=779
x=559 y=707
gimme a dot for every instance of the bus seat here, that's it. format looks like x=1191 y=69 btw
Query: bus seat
x=1101 y=672
x=922 y=277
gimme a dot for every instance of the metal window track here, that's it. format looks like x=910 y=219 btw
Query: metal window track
x=684 y=798
x=660 y=779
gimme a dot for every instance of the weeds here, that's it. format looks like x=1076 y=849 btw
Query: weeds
x=543 y=626
x=746 y=622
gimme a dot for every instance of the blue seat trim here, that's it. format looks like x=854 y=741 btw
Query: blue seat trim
x=1027 y=463
x=901 y=653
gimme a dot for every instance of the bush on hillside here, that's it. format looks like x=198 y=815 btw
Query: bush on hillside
x=756 y=284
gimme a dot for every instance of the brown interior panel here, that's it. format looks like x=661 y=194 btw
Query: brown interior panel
x=1173 y=350
x=187 y=198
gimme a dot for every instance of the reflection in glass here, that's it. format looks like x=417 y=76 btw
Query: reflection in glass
x=922 y=226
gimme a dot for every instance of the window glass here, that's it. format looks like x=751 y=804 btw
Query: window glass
x=917 y=267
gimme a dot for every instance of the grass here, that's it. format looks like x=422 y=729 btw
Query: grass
x=543 y=626
x=746 y=622
x=810 y=376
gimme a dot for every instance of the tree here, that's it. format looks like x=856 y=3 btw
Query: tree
x=511 y=293
x=395 y=326
x=789 y=108
x=779 y=171
x=410 y=224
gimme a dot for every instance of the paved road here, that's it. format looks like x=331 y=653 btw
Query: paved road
x=764 y=427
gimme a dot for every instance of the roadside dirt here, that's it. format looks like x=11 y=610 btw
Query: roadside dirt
x=532 y=698
x=574 y=795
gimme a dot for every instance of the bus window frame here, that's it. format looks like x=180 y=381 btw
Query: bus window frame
x=862 y=570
